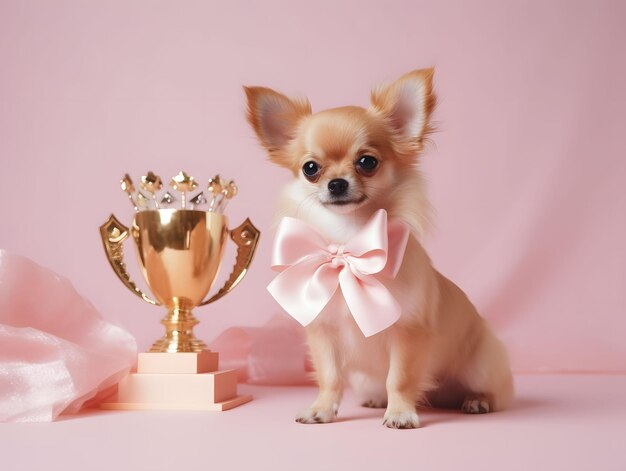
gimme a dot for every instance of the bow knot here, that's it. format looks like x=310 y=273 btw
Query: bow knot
x=336 y=250
x=336 y=253
x=312 y=269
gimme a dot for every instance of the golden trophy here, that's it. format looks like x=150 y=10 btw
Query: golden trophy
x=180 y=246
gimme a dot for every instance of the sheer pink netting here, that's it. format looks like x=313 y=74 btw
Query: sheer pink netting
x=273 y=354
x=56 y=351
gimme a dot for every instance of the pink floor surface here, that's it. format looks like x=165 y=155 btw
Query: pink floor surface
x=558 y=422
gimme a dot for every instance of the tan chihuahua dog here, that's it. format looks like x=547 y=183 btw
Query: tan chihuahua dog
x=347 y=163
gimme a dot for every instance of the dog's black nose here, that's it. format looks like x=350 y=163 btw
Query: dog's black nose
x=338 y=186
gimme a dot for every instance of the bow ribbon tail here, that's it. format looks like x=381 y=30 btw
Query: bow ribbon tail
x=370 y=302
x=305 y=288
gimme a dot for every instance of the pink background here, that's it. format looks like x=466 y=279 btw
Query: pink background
x=528 y=171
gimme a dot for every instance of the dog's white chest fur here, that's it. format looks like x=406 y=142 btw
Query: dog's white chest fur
x=359 y=353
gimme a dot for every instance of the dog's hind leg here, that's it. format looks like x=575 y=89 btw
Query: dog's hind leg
x=487 y=377
x=369 y=390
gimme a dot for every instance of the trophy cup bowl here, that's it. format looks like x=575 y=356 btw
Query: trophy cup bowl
x=180 y=252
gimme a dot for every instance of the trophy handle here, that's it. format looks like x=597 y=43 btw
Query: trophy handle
x=246 y=236
x=113 y=234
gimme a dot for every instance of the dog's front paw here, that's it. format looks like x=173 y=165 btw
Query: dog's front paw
x=401 y=419
x=316 y=415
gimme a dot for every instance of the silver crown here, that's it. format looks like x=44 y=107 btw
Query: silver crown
x=152 y=195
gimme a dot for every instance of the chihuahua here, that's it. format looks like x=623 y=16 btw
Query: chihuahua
x=348 y=163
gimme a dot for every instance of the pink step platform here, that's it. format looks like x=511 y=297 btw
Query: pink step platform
x=183 y=381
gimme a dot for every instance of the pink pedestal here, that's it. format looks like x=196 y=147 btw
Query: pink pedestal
x=181 y=381
x=203 y=362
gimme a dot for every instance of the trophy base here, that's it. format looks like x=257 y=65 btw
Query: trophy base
x=178 y=381
x=218 y=406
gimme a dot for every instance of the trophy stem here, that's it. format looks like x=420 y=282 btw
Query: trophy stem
x=179 y=323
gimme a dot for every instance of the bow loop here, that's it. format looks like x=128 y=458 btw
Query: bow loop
x=294 y=241
x=312 y=269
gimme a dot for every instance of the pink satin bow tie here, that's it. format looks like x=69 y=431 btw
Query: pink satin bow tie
x=312 y=268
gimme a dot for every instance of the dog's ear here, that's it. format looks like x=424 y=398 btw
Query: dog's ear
x=406 y=106
x=275 y=119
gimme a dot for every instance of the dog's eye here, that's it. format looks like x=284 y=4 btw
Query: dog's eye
x=311 y=170
x=367 y=164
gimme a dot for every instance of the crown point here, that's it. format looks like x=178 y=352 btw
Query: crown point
x=151 y=182
x=127 y=184
x=183 y=182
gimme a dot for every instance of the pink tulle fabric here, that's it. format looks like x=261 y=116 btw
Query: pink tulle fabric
x=273 y=354
x=56 y=351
